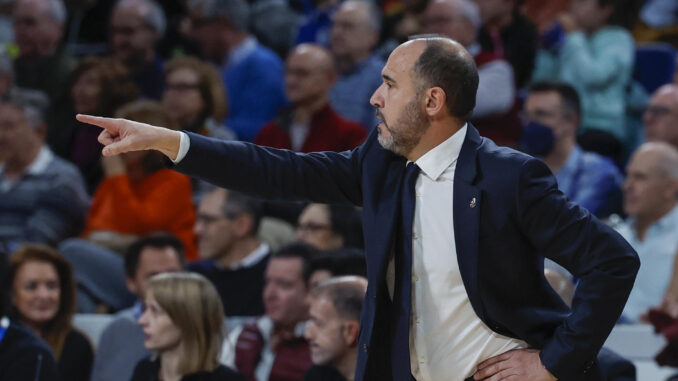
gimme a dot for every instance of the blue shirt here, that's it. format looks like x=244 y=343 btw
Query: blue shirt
x=350 y=96
x=316 y=27
x=589 y=180
x=657 y=252
x=253 y=78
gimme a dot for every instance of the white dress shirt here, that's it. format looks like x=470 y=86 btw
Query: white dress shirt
x=447 y=339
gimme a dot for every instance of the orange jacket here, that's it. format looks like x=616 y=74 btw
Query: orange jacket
x=159 y=202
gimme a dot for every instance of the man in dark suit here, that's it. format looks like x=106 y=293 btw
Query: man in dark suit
x=454 y=242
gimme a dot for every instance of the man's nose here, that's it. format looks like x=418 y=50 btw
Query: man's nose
x=377 y=100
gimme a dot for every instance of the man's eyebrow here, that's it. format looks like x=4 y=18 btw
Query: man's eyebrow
x=388 y=78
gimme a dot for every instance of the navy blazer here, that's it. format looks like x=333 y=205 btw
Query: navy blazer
x=508 y=215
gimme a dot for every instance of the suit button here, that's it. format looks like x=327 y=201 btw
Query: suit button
x=365 y=348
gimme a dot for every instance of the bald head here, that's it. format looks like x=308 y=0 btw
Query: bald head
x=346 y=294
x=651 y=185
x=661 y=116
x=662 y=157
x=445 y=63
x=309 y=74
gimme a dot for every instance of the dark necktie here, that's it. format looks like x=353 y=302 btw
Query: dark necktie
x=400 y=355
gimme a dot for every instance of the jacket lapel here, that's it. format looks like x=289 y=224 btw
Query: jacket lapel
x=467 y=203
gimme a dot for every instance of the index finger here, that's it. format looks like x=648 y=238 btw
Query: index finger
x=107 y=123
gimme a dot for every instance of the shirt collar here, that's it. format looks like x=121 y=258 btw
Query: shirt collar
x=241 y=51
x=252 y=258
x=39 y=164
x=474 y=49
x=434 y=162
x=669 y=220
x=571 y=164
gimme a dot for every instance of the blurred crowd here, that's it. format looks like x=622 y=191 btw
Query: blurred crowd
x=588 y=86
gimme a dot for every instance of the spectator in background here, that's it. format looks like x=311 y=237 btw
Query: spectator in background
x=272 y=347
x=353 y=40
x=310 y=124
x=99 y=85
x=591 y=49
x=232 y=257
x=315 y=27
x=43 y=298
x=346 y=261
x=41 y=64
x=42 y=197
x=650 y=197
x=661 y=116
x=183 y=323
x=493 y=114
x=252 y=73
x=194 y=97
x=136 y=28
x=333 y=328
x=275 y=24
x=590 y=180
x=330 y=226
x=23 y=356
x=139 y=195
x=509 y=35
x=121 y=345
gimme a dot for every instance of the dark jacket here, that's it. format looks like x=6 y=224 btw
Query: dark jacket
x=147 y=370
x=509 y=215
x=25 y=357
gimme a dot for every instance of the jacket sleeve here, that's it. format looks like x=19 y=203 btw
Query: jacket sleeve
x=327 y=177
x=602 y=260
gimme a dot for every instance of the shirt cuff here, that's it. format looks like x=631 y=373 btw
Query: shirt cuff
x=184 y=145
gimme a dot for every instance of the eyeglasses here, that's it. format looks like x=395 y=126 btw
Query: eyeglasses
x=313 y=227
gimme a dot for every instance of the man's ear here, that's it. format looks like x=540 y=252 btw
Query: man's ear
x=41 y=131
x=244 y=225
x=434 y=99
x=350 y=332
x=131 y=286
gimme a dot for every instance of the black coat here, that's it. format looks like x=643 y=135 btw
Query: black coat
x=23 y=356
x=147 y=370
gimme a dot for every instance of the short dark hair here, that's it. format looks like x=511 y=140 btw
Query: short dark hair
x=567 y=93
x=454 y=72
x=237 y=203
x=344 y=261
x=345 y=293
x=156 y=241
x=299 y=250
x=347 y=222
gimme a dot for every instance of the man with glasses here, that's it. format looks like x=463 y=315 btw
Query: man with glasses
x=136 y=28
x=661 y=117
x=552 y=112
x=233 y=259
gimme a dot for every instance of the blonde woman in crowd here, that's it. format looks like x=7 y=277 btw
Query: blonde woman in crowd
x=183 y=323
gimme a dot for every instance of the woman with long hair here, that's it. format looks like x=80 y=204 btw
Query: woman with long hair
x=43 y=299
x=183 y=323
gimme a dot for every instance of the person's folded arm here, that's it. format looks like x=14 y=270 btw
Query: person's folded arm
x=602 y=260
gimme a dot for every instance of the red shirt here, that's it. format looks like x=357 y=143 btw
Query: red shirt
x=327 y=132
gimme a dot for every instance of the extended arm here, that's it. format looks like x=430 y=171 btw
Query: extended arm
x=321 y=177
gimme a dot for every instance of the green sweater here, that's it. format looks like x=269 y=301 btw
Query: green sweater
x=599 y=67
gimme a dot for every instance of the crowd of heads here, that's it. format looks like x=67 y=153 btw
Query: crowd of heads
x=171 y=67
